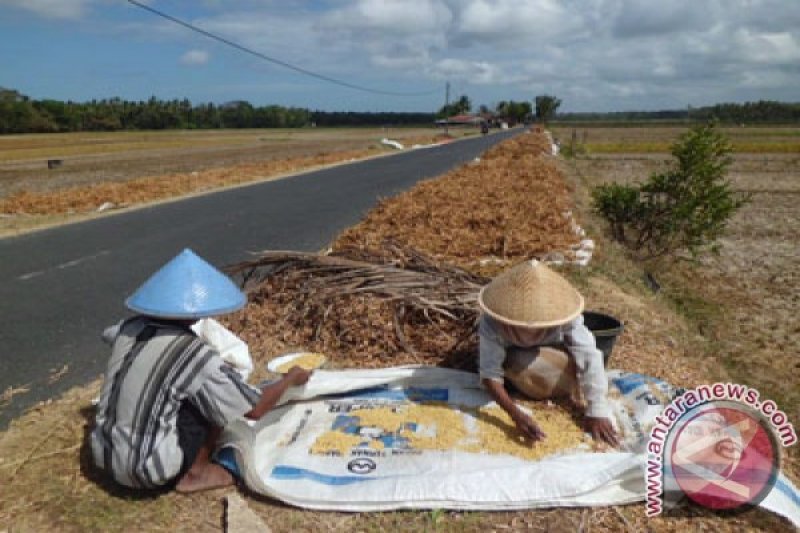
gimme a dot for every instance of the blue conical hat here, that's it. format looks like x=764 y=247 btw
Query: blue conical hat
x=186 y=287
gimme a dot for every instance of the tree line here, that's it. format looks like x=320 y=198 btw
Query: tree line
x=763 y=111
x=510 y=110
x=21 y=114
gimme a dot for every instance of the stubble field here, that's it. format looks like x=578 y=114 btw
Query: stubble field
x=746 y=298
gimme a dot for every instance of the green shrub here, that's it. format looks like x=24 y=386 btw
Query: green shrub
x=685 y=207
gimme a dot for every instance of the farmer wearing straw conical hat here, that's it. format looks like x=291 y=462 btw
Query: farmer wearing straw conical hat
x=531 y=333
x=167 y=393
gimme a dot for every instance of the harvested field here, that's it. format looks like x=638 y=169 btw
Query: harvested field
x=118 y=170
x=382 y=298
x=152 y=188
x=90 y=158
x=741 y=304
x=746 y=297
x=626 y=139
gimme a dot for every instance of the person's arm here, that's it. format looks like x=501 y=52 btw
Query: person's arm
x=273 y=392
x=492 y=353
x=591 y=375
x=524 y=423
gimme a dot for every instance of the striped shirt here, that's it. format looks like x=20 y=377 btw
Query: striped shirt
x=154 y=367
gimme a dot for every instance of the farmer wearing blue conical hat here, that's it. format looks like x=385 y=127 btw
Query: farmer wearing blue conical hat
x=167 y=393
x=531 y=332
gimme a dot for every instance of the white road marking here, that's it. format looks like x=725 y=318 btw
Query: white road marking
x=30 y=275
x=68 y=264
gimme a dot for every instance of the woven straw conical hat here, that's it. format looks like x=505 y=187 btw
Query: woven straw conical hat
x=531 y=295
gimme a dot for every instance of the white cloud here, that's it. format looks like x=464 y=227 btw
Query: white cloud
x=195 y=57
x=59 y=9
x=479 y=72
x=598 y=54
x=509 y=21
x=285 y=36
x=766 y=79
x=769 y=48
x=401 y=59
x=390 y=17
x=605 y=53
x=399 y=35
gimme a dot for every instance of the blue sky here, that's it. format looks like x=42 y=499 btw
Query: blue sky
x=596 y=55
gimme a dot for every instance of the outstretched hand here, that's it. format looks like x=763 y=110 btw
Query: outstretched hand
x=528 y=427
x=601 y=429
x=298 y=376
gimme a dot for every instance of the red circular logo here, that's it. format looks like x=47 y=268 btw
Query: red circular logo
x=723 y=456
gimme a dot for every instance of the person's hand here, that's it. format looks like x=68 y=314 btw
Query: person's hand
x=527 y=426
x=298 y=376
x=601 y=430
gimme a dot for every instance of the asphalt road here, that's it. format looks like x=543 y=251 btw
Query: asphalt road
x=60 y=287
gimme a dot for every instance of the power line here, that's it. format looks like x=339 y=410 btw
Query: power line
x=272 y=59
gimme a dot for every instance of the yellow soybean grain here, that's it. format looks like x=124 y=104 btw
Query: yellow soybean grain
x=432 y=426
x=497 y=434
x=437 y=426
x=308 y=361
x=440 y=426
x=335 y=442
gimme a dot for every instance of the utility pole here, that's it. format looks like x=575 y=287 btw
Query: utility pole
x=446 y=108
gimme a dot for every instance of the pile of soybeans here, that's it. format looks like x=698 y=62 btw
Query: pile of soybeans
x=446 y=427
x=307 y=361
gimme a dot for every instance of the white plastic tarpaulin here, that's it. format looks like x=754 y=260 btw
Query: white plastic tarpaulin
x=274 y=455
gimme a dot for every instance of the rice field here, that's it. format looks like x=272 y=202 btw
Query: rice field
x=658 y=139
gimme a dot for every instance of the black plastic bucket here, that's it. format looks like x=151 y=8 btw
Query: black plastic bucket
x=605 y=329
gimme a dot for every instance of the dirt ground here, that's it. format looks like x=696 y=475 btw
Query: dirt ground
x=699 y=328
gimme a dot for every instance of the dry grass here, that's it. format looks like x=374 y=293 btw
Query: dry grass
x=753 y=147
x=48 y=481
x=658 y=140
x=632 y=135
x=45 y=460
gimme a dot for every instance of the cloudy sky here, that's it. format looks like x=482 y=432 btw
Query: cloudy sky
x=596 y=55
